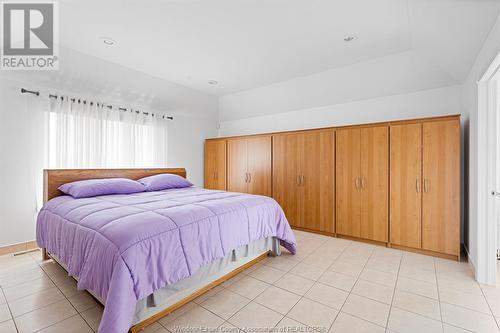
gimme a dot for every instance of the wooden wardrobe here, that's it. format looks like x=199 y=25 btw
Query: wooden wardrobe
x=249 y=165
x=304 y=178
x=215 y=164
x=362 y=172
x=393 y=183
x=425 y=186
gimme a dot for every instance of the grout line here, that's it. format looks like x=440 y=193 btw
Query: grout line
x=67 y=299
x=393 y=293
x=350 y=291
x=317 y=281
x=272 y=284
x=10 y=311
x=489 y=306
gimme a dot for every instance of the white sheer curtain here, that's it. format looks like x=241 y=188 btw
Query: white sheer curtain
x=91 y=135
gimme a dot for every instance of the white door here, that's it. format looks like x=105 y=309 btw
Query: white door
x=496 y=155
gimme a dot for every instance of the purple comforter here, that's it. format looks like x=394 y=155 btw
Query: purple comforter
x=124 y=247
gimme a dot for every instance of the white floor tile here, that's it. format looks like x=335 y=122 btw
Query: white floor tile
x=44 y=317
x=383 y=278
x=249 y=287
x=468 y=319
x=278 y=299
x=421 y=305
x=367 y=309
x=4 y=313
x=35 y=301
x=74 y=324
x=294 y=283
x=346 y=267
x=402 y=321
x=290 y=325
x=313 y=314
x=338 y=280
x=373 y=291
x=307 y=271
x=417 y=287
x=225 y=303
x=8 y=327
x=471 y=301
x=195 y=317
x=329 y=296
x=346 y=323
x=256 y=316
x=267 y=274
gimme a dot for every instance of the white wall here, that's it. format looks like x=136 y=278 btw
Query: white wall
x=435 y=102
x=18 y=194
x=392 y=75
x=489 y=51
x=195 y=118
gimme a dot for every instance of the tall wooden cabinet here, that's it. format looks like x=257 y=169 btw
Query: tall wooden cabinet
x=406 y=188
x=249 y=165
x=425 y=186
x=441 y=187
x=393 y=183
x=304 y=178
x=362 y=170
x=348 y=189
x=215 y=164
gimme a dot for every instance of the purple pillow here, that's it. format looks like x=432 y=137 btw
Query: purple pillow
x=94 y=187
x=164 y=181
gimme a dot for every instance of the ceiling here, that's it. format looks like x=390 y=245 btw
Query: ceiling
x=244 y=44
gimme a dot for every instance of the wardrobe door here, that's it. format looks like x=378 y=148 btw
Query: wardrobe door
x=406 y=185
x=441 y=196
x=237 y=174
x=259 y=165
x=375 y=183
x=348 y=195
x=285 y=175
x=317 y=170
x=215 y=164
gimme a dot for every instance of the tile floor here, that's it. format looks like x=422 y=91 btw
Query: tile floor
x=332 y=285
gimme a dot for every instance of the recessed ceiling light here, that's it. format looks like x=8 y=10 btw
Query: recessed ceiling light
x=213 y=82
x=108 y=41
x=349 y=38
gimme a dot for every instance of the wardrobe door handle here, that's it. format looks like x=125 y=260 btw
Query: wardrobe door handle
x=298 y=180
x=426 y=185
x=356 y=183
x=417 y=185
x=246 y=177
x=363 y=182
x=249 y=177
x=303 y=179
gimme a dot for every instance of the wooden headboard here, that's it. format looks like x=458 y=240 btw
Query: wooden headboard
x=53 y=178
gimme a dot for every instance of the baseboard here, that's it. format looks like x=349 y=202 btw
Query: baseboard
x=470 y=262
x=19 y=247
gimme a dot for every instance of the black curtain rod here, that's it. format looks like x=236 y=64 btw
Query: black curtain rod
x=24 y=91
x=74 y=100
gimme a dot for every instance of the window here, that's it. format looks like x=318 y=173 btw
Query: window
x=91 y=135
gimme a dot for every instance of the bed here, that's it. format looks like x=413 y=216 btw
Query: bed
x=144 y=255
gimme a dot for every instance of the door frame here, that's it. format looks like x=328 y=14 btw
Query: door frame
x=487 y=139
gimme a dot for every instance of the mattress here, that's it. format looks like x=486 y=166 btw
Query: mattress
x=126 y=247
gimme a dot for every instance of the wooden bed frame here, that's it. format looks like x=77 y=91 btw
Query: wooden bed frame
x=53 y=178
